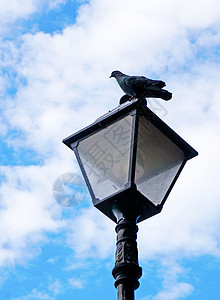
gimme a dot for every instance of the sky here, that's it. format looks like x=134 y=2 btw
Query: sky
x=55 y=60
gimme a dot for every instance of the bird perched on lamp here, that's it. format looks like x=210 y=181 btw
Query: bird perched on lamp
x=140 y=87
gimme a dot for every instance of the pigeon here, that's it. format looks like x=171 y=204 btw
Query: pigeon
x=140 y=87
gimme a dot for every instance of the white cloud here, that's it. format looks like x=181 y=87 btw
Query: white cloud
x=91 y=235
x=172 y=286
x=13 y=10
x=28 y=211
x=35 y=294
x=55 y=287
x=54 y=3
x=172 y=289
x=47 y=293
x=177 y=291
x=76 y=283
x=206 y=12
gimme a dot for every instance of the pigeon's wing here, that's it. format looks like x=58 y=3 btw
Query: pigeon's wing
x=136 y=85
x=136 y=81
x=141 y=81
x=158 y=83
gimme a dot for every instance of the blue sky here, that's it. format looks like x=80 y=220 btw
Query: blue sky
x=55 y=60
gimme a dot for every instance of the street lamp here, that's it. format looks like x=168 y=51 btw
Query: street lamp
x=130 y=160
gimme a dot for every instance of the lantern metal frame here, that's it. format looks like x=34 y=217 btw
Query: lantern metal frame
x=129 y=203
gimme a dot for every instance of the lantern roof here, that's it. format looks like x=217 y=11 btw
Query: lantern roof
x=123 y=110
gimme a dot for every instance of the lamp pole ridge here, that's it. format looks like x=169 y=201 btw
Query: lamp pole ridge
x=126 y=271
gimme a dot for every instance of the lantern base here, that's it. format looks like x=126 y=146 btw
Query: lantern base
x=129 y=204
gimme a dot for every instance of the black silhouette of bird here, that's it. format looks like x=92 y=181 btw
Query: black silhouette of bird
x=140 y=87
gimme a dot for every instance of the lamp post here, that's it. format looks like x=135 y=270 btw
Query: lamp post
x=130 y=160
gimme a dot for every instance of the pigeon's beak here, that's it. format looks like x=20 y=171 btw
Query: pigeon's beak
x=110 y=76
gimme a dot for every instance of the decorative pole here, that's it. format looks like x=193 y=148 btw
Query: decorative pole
x=126 y=271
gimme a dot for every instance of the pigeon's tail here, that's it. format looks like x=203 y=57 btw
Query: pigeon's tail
x=155 y=92
x=165 y=95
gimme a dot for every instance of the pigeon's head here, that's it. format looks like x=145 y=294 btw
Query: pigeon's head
x=116 y=74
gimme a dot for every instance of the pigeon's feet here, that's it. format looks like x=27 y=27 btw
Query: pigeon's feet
x=126 y=98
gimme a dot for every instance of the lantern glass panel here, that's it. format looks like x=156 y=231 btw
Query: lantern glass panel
x=157 y=163
x=105 y=157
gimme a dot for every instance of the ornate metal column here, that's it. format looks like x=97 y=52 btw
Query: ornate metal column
x=126 y=271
